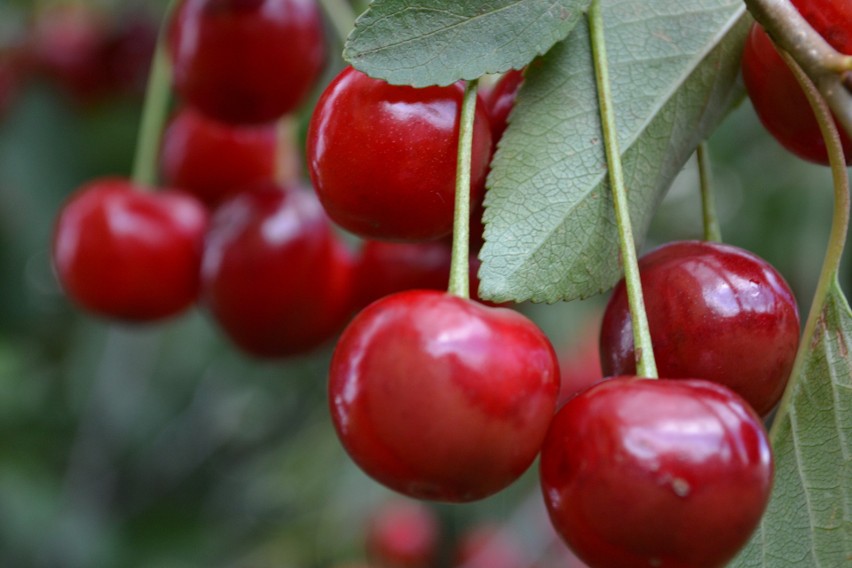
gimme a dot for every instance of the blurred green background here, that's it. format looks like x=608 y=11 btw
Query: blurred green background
x=163 y=446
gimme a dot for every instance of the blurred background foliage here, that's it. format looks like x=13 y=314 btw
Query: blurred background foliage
x=162 y=445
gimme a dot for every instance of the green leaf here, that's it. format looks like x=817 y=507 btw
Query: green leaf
x=439 y=42
x=550 y=227
x=809 y=518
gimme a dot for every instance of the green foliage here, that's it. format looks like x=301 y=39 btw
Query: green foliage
x=808 y=522
x=550 y=227
x=439 y=42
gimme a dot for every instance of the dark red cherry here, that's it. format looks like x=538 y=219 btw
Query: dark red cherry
x=403 y=534
x=780 y=103
x=716 y=312
x=639 y=473
x=442 y=398
x=273 y=274
x=127 y=51
x=500 y=100
x=383 y=157
x=213 y=160
x=129 y=255
x=246 y=61
x=832 y=19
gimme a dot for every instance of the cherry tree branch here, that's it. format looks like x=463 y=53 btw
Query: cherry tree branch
x=830 y=70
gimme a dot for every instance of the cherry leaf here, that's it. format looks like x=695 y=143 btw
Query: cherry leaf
x=550 y=227
x=439 y=42
x=809 y=518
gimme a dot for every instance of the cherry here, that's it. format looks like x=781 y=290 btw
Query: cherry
x=716 y=312
x=500 y=100
x=442 y=398
x=274 y=275
x=403 y=534
x=832 y=19
x=639 y=473
x=214 y=161
x=129 y=255
x=246 y=61
x=383 y=157
x=778 y=100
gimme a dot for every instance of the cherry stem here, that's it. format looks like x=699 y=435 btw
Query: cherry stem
x=645 y=364
x=341 y=15
x=712 y=232
x=837 y=236
x=824 y=65
x=154 y=112
x=460 y=266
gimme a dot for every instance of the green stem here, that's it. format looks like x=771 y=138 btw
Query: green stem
x=645 y=364
x=837 y=236
x=154 y=113
x=712 y=232
x=341 y=15
x=460 y=267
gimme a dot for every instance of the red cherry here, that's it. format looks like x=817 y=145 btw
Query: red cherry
x=213 y=160
x=716 y=312
x=489 y=546
x=383 y=157
x=129 y=255
x=246 y=61
x=403 y=534
x=501 y=99
x=442 y=398
x=781 y=104
x=832 y=19
x=273 y=274
x=639 y=473
x=127 y=51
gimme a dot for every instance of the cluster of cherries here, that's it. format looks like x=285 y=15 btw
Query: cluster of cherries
x=90 y=55
x=436 y=396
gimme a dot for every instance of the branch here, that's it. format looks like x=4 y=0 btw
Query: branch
x=830 y=70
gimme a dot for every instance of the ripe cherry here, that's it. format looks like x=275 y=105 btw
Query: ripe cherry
x=274 y=275
x=716 y=312
x=383 y=157
x=246 y=61
x=129 y=255
x=778 y=100
x=639 y=473
x=500 y=100
x=213 y=160
x=442 y=398
x=403 y=534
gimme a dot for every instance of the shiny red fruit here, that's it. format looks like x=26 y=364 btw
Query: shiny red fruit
x=403 y=534
x=500 y=100
x=383 y=157
x=213 y=160
x=716 y=312
x=639 y=473
x=442 y=398
x=129 y=255
x=832 y=19
x=274 y=275
x=246 y=61
x=781 y=104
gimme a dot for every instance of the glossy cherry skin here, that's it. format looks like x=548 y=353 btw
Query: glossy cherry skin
x=639 y=473
x=500 y=100
x=383 y=157
x=781 y=104
x=832 y=19
x=274 y=275
x=442 y=398
x=403 y=534
x=213 y=160
x=246 y=61
x=716 y=312
x=128 y=255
